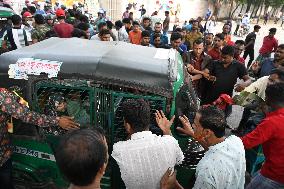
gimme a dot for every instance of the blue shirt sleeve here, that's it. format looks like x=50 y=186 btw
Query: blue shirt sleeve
x=266 y=67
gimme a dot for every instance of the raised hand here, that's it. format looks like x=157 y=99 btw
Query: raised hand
x=163 y=122
x=187 y=128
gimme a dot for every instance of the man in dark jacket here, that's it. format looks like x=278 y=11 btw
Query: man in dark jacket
x=196 y=61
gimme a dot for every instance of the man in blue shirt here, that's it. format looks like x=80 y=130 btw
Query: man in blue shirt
x=39 y=10
x=182 y=46
x=188 y=27
x=268 y=64
x=208 y=14
x=157 y=30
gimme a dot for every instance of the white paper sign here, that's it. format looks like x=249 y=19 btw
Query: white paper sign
x=30 y=66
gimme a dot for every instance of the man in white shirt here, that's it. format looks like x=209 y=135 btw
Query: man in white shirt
x=223 y=165
x=16 y=37
x=145 y=157
x=122 y=34
x=101 y=26
x=246 y=21
x=210 y=25
x=154 y=19
x=259 y=86
x=27 y=22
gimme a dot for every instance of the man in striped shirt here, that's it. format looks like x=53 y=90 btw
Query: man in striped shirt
x=16 y=37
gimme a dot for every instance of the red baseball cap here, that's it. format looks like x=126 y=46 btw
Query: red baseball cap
x=228 y=99
x=27 y=15
x=60 y=12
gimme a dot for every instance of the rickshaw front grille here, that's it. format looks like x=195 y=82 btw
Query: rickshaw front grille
x=77 y=105
x=104 y=107
x=109 y=112
x=69 y=94
x=103 y=113
x=119 y=132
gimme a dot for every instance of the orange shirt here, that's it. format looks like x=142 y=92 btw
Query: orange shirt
x=228 y=40
x=135 y=37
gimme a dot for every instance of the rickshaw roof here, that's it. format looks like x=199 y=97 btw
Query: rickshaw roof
x=109 y=62
x=6 y=12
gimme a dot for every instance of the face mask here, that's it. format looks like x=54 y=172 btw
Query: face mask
x=30 y=23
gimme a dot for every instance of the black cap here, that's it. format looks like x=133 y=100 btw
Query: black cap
x=257 y=27
x=272 y=30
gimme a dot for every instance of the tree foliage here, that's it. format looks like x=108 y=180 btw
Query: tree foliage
x=253 y=6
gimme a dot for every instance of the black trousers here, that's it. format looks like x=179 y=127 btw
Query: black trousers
x=265 y=22
x=6 y=175
x=249 y=52
x=237 y=29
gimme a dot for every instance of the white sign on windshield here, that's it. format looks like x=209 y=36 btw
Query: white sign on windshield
x=31 y=66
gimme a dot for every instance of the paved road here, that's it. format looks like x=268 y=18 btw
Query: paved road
x=263 y=32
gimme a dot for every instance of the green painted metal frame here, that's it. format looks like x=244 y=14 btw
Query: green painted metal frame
x=154 y=98
x=60 y=86
x=43 y=146
x=30 y=165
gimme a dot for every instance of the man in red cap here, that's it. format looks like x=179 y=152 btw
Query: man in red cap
x=28 y=21
x=62 y=29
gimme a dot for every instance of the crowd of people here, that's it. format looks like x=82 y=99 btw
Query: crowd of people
x=223 y=165
x=214 y=62
x=278 y=17
x=35 y=25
